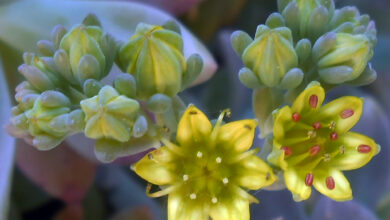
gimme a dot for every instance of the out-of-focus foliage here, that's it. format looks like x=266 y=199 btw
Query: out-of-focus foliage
x=7 y=150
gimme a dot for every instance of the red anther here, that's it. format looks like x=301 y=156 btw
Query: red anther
x=313 y=101
x=309 y=179
x=334 y=136
x=314 y=150
x=287 y=150
x=296 y=117
x=317 y=125
x=347 y=113
x=364 y=149
x=330 y=183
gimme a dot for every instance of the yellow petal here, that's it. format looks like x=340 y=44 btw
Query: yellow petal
x=282 y=122
x=232 y=209
x=295 y=182
x=344 y=111
x=193 y=127
x=181 y=207
x=356 y=151
x=309 y=100
x=342 y=190
x=255 y=173
x=238 y=134
x=154 y=167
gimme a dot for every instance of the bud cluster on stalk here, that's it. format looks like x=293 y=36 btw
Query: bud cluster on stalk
x=308 y=40
x=305 y=41
x=64 y=94
x=57 y=79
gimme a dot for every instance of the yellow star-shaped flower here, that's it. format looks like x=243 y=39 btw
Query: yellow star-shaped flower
x=313 y=144
x=207 y=173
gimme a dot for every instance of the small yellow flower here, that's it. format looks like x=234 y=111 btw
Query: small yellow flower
x=313 y=144
x=206 y=172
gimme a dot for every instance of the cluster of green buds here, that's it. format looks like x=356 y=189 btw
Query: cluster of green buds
x=307 y=40
x=58 y=79
x=64 y=93
x=44 y=119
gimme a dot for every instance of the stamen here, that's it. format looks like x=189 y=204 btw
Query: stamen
x=346 y=113
x=342 y=149
x=165 y=128
x=267 y=176
x=287 y=150
x=214 y=200
x=296 y=117
x=313 y=101
x=173 y=147
x=364 y=149
x=309 y=179
x=312 y=134
x=248 y=127
x=334 y=136
x=317 y=125
x=218 y=160
x=199 y=154
x=326 y=157
x=332 y=125
x=185 y=177
x=217 y=126
x=314 y=150
x=192 y=196
x=160 y=193
x=225 y=180
x=193 y=112
x=330 y=183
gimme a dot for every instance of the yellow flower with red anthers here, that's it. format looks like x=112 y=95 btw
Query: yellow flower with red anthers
x=313 y=144
x=208 y=171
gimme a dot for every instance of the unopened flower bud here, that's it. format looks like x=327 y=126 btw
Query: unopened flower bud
x=38 y=120
x=159 y=103
x=271 y=55
x=307 y=19
x=140 y=127
x=87 y=48
x=92 y=87
x=292 y=79
x=125 y=84
x=154 y=56
x=303 y=50
x=344 y=58
x=349 y=20
x=40 y=80
x=109 y=115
